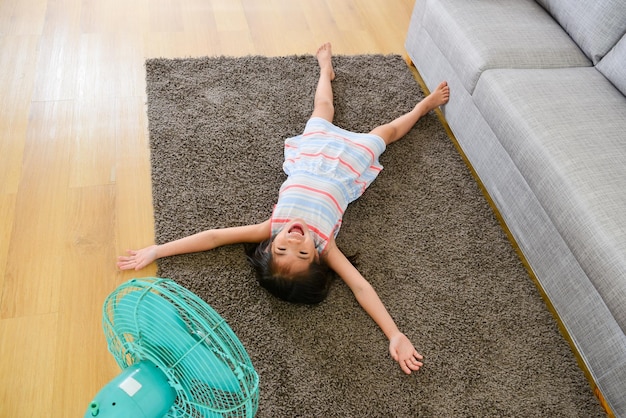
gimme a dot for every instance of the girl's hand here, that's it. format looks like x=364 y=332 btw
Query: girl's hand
x=404 y=353
x=137 y=259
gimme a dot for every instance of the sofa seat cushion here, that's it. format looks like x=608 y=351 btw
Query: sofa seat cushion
x=479 y=35
x=595 y=25
x=565 y=130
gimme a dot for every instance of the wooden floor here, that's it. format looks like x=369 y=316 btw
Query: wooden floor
x=74 y=159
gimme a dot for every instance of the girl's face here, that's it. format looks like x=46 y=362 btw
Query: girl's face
x=293 y=249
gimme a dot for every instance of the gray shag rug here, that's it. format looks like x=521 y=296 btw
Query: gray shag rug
x=427 y=241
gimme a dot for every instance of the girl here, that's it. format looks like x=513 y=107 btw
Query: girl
x=294 y=252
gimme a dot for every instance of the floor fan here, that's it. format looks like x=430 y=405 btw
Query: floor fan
x=179 y=358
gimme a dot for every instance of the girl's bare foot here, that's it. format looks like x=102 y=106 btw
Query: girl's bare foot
x=436 y=98
x=324 y=58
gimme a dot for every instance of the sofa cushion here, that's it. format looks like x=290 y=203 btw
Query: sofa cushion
x=482 y=34
x=613 y=65
x=565 y=130
x=595 y=25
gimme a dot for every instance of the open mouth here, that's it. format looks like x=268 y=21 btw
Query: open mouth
x=297 y=229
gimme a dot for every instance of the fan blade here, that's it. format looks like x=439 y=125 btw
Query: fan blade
x=162 y=326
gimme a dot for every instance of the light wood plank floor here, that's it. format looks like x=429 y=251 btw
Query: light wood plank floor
x=74 y=160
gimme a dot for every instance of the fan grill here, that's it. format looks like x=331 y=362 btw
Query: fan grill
x=204 y=361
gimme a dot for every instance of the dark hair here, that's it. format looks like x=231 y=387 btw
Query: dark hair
x=309 y=287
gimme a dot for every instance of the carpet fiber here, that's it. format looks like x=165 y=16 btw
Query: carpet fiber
x=427 y=241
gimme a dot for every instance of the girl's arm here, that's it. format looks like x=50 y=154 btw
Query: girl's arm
x=400 y=346
x=202 y=241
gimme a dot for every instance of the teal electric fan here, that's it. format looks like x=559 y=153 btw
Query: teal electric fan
x=179 y=358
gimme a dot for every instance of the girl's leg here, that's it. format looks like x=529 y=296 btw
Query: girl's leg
x=399 y=127
x=323 y=103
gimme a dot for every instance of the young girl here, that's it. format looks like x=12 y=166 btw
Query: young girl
x=294 y=252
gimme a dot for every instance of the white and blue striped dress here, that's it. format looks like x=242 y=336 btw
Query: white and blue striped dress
x=327 y=167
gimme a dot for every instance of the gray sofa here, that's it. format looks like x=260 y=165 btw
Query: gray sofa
x=538 y=107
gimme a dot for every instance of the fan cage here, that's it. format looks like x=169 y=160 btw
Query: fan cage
x=138 y=334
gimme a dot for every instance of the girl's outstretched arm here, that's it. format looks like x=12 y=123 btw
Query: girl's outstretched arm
x=202 y=241
x=400 y=347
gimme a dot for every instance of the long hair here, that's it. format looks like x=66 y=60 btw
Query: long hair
x=309 y=287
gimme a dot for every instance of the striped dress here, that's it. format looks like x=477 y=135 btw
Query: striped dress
x=327 y=167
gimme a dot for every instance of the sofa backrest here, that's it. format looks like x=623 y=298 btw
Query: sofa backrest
x=595 y=25
x=613 y=65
